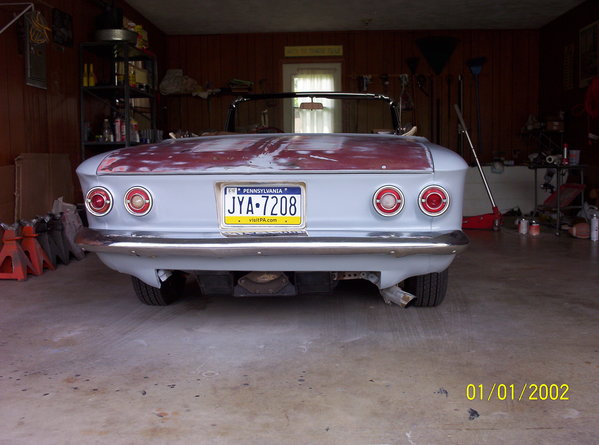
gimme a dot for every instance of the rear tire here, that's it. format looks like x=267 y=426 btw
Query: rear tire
x=169 y=291
x=429 y=289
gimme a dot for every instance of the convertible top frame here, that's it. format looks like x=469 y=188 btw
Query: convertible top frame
x=393 y=105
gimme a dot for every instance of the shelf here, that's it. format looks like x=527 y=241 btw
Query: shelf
x=120 y=98
x=116 y=51
x=117 y=92
x=107 y=144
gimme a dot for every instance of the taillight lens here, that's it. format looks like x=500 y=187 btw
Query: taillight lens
x=138 y=201
x=388 y=200
x=433 y=200
x=98 y=201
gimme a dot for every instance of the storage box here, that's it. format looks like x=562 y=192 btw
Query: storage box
x=40 y=179
x=7 y=194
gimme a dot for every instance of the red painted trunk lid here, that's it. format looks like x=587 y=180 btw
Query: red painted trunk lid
x=272 y=153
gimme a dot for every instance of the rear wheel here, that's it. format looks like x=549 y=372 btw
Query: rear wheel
x=169 y=291
x=429 y=289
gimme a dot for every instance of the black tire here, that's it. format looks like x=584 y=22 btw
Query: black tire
x=429 y=289
x=169 y=291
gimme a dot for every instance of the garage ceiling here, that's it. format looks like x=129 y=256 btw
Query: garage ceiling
x=250 y=16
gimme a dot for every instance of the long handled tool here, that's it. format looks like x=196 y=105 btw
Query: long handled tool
x=476 y=66
x=461 y=105
x=487 y=220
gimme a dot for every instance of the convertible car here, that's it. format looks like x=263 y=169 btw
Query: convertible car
x=291 y=198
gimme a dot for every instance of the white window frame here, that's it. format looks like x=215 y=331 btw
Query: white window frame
x=289 y=71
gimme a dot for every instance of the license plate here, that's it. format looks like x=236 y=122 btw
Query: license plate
x=263 y=205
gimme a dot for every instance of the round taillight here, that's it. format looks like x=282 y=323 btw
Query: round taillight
x=98 y=201
x=433 y=200
x=388 y=200
x=138 y=201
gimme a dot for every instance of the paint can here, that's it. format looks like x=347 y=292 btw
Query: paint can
x=594 y=227
x=534 y=229
x=523 y=226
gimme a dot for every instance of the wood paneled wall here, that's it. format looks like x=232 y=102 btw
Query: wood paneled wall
x=34 y=120
x=558 y=95
x=508 y=82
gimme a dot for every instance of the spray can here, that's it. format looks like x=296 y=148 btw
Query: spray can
x=594 y=227
x=118 y=136
x=534 y=229
x=523 y=226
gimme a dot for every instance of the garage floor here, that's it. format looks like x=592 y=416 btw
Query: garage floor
x=82 y=362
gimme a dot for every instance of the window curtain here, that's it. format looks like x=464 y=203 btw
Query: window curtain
x=314 y=121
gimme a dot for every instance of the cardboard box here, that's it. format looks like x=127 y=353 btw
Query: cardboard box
x=40 y=179
x=7 y=194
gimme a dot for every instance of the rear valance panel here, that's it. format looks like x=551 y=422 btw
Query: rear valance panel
x=272 y=153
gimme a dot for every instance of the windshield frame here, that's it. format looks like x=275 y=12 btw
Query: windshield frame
x=393 y=105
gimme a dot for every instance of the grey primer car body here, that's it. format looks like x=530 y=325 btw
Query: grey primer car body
x=278 y=213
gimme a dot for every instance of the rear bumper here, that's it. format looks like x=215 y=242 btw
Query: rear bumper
x=155 y=245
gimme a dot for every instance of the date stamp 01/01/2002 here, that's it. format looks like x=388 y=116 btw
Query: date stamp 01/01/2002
x=527 y=391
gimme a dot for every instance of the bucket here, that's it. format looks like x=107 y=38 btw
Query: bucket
x=574 y=157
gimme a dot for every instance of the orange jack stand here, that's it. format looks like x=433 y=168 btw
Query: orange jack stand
x=13 y=261
x=38 y=258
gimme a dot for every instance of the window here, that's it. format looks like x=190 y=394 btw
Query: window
x=312 y=77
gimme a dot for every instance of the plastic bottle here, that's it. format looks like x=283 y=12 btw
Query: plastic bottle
x=118 y=135
x=85 y=80
x=92 y=77
x=134 y=131
x=132 y=81
x=107 y=134
x=565 y=155
x=594 y=227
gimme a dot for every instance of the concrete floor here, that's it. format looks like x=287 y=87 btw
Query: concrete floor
x=82 y=362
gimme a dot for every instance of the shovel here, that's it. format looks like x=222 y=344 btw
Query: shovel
x=488 y=220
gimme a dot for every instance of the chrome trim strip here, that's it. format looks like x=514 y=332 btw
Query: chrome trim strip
x=149 y=245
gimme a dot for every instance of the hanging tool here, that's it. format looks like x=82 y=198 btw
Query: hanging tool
x=365 y=81
x=489 y=220
x=436 y=50
x=437 y=120
x=405 y=98
x=385 y=81
x=449 y=81
x=412 y=63
x=421 y=82
x=476 y=65
x=461 y=106
x=405 y=101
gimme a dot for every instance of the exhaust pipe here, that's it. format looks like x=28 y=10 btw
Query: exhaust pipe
x=392 y=294
x=397 y=295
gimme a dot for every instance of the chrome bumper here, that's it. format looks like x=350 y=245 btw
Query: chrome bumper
x=153 y=245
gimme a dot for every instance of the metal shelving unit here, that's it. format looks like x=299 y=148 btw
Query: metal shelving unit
x=114 y=91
